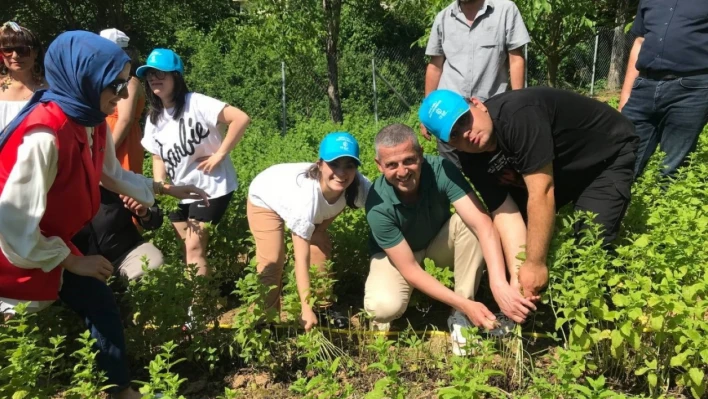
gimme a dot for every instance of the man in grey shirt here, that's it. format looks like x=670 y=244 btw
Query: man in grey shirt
x=475 y=47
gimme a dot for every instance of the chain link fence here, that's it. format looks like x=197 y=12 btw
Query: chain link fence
x=390 y=82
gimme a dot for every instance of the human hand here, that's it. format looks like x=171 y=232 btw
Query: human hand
x=512 y=303
x=134 y=206
x=308 y=319
x=207 y=164
x=188 y=191
x=533 y=277
x=90 y=266
x=478 y=314
x=424 y=132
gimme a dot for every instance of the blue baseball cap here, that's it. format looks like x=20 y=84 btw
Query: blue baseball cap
x=339 y=144
x=162 y=59
x=440 y=111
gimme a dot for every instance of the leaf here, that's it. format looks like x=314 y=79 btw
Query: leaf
x=642 y=241
x=681 y=360
x=696 y=376
x=653 y=380
x=657 y=322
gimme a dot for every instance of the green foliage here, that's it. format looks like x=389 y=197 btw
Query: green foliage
x=323 y=362
x=28 y=364
x=251 y=333
x=87 y=381
x=471 y=375
x=388 y=386
x=163 y=380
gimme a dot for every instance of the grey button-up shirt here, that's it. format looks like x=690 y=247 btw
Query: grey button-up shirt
x=476 y=56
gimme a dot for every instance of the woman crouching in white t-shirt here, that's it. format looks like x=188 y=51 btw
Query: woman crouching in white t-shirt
x=306 y=198
x=181 y=133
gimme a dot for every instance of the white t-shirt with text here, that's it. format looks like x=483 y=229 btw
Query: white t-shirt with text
x=297 y=199
x=194 y=135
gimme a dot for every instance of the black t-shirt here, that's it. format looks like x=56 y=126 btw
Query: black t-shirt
x=111 y=232
x=540 y=125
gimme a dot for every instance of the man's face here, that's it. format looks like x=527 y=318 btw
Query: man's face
x=473 y=131
x=401 y=166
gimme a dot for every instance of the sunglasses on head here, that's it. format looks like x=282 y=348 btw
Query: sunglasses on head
x=156 y=73
x=119 y=85
x=22 y=51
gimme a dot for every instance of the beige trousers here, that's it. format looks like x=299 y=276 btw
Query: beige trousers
x=387 y=293
x=132 y=265
x=268 y=230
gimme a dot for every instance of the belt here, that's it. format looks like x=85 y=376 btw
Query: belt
x=669 y=75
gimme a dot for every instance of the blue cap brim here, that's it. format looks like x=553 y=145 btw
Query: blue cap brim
x=343 y=156
x=141 y=71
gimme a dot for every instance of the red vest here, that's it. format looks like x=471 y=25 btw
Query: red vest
x=72 y=201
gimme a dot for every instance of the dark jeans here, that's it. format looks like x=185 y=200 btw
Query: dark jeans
x=93 y=301
x=671 y=113
x=607 y=195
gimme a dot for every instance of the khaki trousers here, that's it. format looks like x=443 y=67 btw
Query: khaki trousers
x=131 y=266
x=268 y=230
x=387 y=293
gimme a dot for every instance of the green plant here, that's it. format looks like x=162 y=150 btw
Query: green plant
x=28 y=368
x=251 y=334
x=390 y=385
x=471 y=375
x=163 y=380
x=87 y=381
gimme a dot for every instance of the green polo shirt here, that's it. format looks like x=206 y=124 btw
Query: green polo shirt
x=390 y=220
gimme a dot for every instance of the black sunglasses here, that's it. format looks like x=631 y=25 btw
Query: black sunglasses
x=119 y=85
x=22 y=51
x=156 y=73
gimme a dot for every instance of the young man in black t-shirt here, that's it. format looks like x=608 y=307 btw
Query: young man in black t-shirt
x=528 y=152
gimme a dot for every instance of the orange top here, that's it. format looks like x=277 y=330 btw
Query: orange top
x=130 y=152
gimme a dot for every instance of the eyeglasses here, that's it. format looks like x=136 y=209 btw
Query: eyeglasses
x=22 y=51
x=119 y=85
x=156 y=73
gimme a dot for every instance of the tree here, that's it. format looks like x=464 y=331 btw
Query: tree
x=618 y=60
x=301 y=30
x=332 y=17
x=556 y=26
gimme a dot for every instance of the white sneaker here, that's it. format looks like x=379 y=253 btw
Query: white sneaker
x=456 y=323
x=504 y=326
x=380 y=327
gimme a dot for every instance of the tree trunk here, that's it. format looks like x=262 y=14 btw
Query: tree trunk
x=552 y=62
x=618 y=59
x=332 y=13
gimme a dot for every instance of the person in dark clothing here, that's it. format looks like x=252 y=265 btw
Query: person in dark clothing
x=665 y=92
x=113 y=234
x=530 y=151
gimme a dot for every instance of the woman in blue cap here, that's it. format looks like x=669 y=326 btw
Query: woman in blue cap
x=182 y=134
x=305 y=198
x=53 y=156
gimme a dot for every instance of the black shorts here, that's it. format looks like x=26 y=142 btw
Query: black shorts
x=199 y=211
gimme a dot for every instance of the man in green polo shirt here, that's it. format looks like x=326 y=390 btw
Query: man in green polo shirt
x=408 y=210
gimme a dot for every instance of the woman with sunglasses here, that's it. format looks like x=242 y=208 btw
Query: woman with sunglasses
x=182 y=134
x=305 y=198
x=21 y=72
x=53 y=156
x=124 y=122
